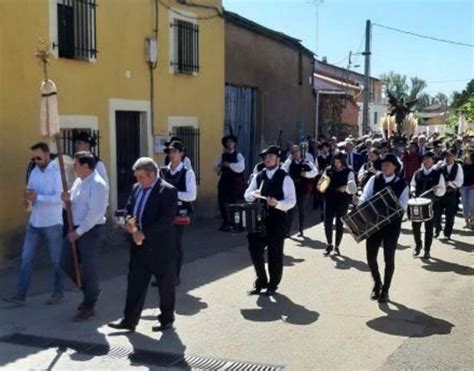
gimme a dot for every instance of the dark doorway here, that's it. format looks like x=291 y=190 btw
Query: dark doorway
x=128 y=151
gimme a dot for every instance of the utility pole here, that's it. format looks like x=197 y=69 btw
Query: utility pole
x=365 y=112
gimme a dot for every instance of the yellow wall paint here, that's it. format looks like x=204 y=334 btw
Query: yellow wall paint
x=84 y=88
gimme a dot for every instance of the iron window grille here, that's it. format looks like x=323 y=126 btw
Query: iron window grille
x=77 y=37
x=186 y=43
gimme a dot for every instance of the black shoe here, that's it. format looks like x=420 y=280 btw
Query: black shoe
x=270 y=292
x=447 y=238
x=162 y=327
x=383 y=298
x=122 y=326
x=427 y=255
x=436 y=234
x=328 y=250
x=336 y=251
x=375 y=294
x=416 y=252
x=301 y=234
x=255 y=291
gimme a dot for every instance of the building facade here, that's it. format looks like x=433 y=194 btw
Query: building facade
x=111 y=81
x=269 y=89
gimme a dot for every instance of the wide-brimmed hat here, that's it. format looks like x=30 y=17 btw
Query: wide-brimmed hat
x=226 y=138
x=172 y=139
x=271 y=150
x=84 y=136
x=390 y=157
x=175 y=144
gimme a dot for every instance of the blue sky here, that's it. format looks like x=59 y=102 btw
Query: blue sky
x=342 y=25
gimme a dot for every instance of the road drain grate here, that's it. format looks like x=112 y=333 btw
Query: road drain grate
x=137 y=356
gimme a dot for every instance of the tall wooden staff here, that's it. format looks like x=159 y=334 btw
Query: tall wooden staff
x=49 y=123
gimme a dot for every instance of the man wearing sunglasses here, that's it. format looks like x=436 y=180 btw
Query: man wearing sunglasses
x=43 y=197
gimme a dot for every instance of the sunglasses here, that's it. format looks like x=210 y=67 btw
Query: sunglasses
x=37 y=158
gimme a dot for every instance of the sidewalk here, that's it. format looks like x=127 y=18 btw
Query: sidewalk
x=321 y=317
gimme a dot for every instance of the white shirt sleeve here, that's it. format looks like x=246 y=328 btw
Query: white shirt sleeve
x=368 y=191
x=404 y=198
x=286 y=165
x=351 y=184
x=413 y=182
x=441 y=187
x=248 y=195
x=313 y=172
x=187 y=163
x=217 y=164
x=100 y=167
x=55 y=196
x=361 y=173
x=289 y=195
x=459 y=180
x=97 y=207
x=239 y=166
x=190 y=194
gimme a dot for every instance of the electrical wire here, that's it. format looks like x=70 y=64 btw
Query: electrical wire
x=424 y=36
x=199 y=18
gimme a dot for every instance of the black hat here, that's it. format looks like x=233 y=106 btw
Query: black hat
x=437 y=143
x=271 y=150
x=175 y=144
x=172 y=139
x=226 y=138
x=390 y=157
x=84 y=136
x=452 y=152
x=429 y=154
x=384 y=144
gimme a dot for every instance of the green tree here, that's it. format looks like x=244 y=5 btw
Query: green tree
x=397 y=84
x=460 y=98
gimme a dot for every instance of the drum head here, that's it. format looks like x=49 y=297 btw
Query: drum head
x=420 y=201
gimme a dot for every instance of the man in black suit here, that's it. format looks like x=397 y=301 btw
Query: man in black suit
x=153 y=206
x=353 y=159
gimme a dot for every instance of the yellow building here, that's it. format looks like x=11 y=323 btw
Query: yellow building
x=104 y=83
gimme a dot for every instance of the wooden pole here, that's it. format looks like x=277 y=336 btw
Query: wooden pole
x=70 y=221
x=43 y=55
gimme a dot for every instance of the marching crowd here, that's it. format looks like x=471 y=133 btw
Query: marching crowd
x=335 y=177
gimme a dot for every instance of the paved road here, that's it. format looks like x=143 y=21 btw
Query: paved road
x=320 y=319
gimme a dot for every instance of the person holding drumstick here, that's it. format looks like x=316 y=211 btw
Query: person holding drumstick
x=387 y=237
x=274 y=187
x=426 y=178
x=342 y=185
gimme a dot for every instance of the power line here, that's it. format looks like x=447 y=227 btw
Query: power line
x=446 y=81
x=424 y=36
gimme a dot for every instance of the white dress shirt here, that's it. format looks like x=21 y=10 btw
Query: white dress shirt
x=186 y=161
x=458 y=180
x=47 y=208
x=441 y=183
x=89 y=199
x=306 y=174
x=289 y=193
x=236 y=167
x=100 y=167
x=190 y=194
x=368 y=191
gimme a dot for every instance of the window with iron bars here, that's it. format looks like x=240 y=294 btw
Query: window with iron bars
x=186 y=47
x=77 y=29
x=68 y=137
x=189 y=136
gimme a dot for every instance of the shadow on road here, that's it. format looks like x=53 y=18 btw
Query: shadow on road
x=344 y=263
x=280 y=308
x=403 y=321
x=308 y=242
x=459 y=245
x=438 y=265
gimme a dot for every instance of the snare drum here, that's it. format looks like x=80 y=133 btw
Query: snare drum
x=247 y=217
x=374 y=214
x=420 y=209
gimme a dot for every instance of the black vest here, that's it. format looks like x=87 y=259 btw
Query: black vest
x=397 y=185
x=338 y=178
x=425 y=182
x=228 y=176
x=296 y=169
x=178 y=180
x=276 y=220
x=452 y=175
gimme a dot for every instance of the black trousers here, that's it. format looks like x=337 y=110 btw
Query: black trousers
x=142 y=266
x=386 y=238
x=274 y=246
x=179 y=248
x=301 y=199
x=88 y=252
x=335 y=209
x=447 y=204
x=227 y=193
x=428 y=234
